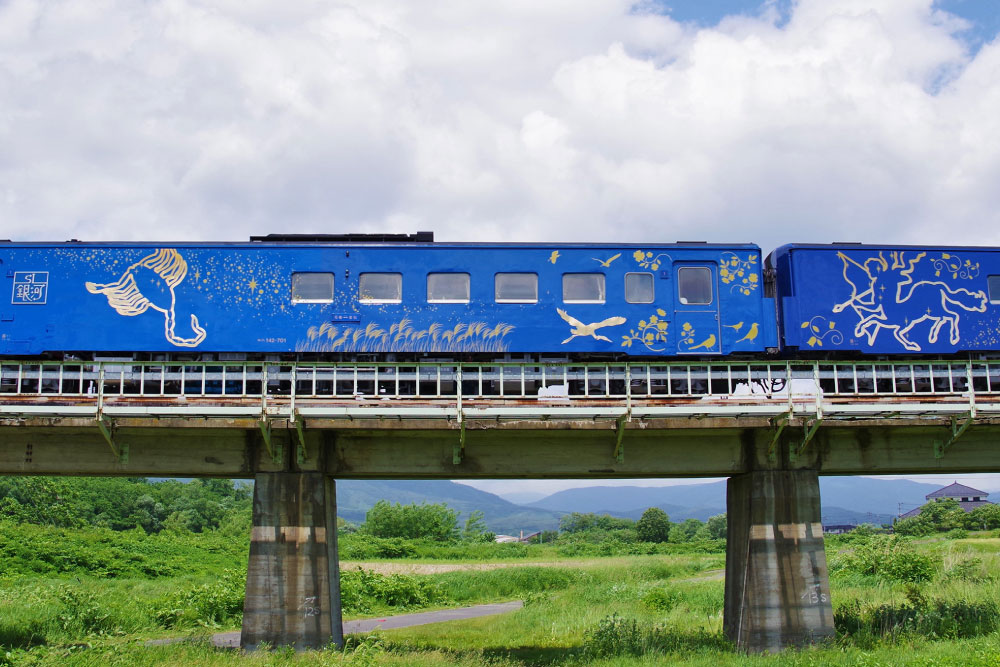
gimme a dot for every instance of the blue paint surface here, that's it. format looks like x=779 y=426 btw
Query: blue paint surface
x=202 y=298
x=897 y=300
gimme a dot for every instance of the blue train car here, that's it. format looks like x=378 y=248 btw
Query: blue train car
x=888 y=300
x=327 y=298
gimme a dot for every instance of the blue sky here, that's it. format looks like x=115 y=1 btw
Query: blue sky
x=982 y=15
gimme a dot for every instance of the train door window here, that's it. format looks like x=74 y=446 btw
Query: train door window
x=516 y=288
x=380 y=287
x=309 y=287
x=583 y=287
x=639 y=287
x=994 y=287
x=694 y=285
x=447 y=288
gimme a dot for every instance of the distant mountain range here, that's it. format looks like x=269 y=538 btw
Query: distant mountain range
x=356 y=497
x=845 y=500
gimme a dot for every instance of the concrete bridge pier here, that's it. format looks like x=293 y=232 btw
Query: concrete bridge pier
x=777 y=589
x=293 y=578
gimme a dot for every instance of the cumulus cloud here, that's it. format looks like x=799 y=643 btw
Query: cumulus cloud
x=584 y=120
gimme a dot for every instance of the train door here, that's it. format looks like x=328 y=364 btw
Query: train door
x=696 y=308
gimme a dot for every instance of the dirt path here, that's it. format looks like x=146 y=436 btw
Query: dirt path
x=232 y=639
x=435 y=568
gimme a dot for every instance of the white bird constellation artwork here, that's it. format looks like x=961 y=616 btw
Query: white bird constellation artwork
x=150 y=283
x=578 y=328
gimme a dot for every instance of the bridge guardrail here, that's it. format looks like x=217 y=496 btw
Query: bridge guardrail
x=498 y=390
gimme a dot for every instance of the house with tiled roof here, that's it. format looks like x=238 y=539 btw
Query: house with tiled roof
x=967 y=497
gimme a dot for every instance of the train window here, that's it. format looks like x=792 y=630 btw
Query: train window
x=447 y=288
x=516 y=287
x=993 y=282
x=380 y=287
x=694 y=285
x=583 y=288
x=312 y=287
x=639 y=287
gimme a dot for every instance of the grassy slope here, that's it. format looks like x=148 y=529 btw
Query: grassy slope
x=675 y=602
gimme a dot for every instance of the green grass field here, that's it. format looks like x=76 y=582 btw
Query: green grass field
x=897 y=602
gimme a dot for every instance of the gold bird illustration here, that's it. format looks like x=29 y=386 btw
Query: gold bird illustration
x=606 y=262
x=734 y=327
x=708 y=343
x=581 y=329
x=554 y=256
x=751 y=334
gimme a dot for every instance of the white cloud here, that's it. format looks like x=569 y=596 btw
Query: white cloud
x=582 y=120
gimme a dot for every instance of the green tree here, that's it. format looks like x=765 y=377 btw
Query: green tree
x=944 y=514
x=716 y=527
x=576 y=522
x=475 y=529
x=984 y=517
x=653 y=526
x=685 y=531
x=432 y=521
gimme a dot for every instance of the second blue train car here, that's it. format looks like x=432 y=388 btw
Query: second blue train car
x=887 y=300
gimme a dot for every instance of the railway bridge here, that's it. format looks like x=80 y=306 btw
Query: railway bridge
x=295 y=427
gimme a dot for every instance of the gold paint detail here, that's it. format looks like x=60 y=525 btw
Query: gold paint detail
x=867 y=278
x=688 y=336
x=647 y=260
x=578 y=328
x=650 y=332
x=820 y=329
x=740 y=274
x=164 y=268
x=707 y=344
x=751 y=335
x=554 y=256
x=956 y=266
x=606 y=263
x=402 y=336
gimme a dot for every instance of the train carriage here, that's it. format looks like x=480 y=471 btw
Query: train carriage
x=329 y=296
x=887 y=300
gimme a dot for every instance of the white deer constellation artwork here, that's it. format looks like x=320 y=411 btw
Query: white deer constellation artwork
x=886 y=295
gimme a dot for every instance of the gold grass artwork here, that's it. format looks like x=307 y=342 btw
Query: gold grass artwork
x=401 y=336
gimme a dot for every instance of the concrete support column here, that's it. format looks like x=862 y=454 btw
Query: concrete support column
x=777 y=590
x=293 y=578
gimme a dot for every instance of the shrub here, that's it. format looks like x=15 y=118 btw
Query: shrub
x=210 y=604
x=433 y=521
x=662 y=599
x=613 y=636
x=957 y=619
x=363 y=591
x=886 y=557
x=970 y=569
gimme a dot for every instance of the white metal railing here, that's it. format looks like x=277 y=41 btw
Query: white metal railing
x=499 y=388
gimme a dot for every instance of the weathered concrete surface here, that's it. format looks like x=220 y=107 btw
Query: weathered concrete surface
x=414 y=449
x=777 y=590
x=293 y=578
